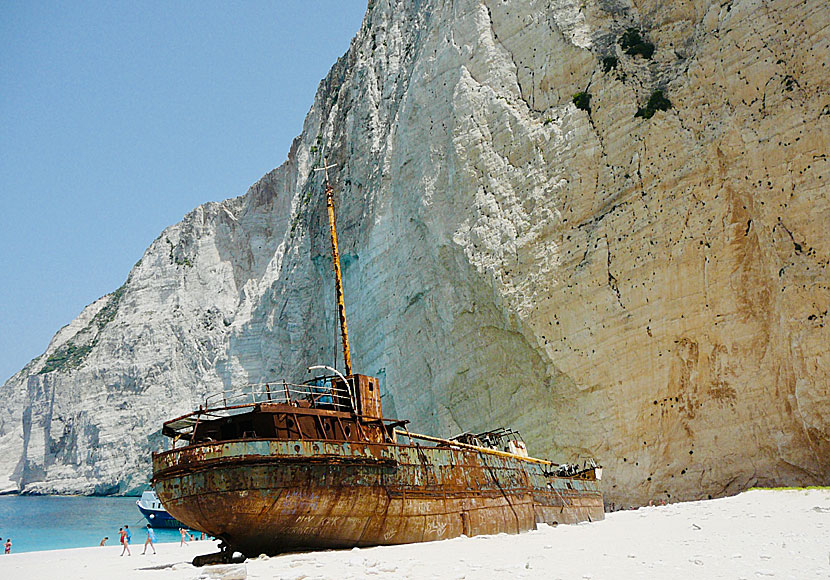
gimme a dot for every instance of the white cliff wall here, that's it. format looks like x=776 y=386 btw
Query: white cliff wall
x=648 y=291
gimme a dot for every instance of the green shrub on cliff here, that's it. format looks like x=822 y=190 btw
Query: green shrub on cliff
x=656 y=102
x=582 y=100
x=66 y=356
x=632 y=43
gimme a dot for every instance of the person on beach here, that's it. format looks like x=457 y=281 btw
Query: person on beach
x=183 y=532
x=151 y=538
x=8 y=545
x=124 y=541
x=104 y=541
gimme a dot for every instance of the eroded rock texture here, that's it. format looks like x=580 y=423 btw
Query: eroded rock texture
x=650 y=290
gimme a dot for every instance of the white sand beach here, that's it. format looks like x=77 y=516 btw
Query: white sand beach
x=767 y=534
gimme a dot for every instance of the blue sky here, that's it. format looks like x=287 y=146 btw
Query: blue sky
x=117 y=118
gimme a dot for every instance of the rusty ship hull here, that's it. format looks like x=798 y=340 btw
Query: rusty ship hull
x=271 y=496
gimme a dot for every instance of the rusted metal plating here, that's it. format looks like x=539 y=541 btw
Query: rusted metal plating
x=269 y=477
x=271 y=496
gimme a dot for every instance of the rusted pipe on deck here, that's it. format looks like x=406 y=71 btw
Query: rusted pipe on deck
x=473 y=447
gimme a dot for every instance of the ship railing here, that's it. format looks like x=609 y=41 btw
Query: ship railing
x=318 y=394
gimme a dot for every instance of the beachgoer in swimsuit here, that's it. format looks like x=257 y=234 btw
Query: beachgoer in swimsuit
x=8 y=545
x=124 y=542
x=183 y=532
x=104 y=541
x=151 y=537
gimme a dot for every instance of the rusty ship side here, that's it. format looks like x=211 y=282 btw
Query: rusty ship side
x=316 y=466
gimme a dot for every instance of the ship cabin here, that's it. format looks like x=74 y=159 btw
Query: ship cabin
x=328 y=408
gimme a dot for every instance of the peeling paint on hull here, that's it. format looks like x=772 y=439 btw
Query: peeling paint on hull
x=270 y=496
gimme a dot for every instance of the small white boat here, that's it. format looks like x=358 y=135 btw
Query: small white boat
x=155 y=514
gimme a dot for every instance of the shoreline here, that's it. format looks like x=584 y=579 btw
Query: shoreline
x=760 y=533
x=45 y=523
x=106 y=563
x=108 y=545
x=207 y=544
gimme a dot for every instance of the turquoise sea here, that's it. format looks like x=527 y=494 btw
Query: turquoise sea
x=55 y=522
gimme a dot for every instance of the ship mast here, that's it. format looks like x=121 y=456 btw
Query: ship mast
x=335 y=256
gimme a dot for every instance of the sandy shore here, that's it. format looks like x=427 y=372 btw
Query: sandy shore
x=171 y=561
x=758 y=534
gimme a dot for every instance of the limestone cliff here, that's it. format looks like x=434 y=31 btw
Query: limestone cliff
x=603 y=223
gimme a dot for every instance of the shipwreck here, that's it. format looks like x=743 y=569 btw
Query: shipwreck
x=278 y=467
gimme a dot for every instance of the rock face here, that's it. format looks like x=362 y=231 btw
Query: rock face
x=638 y=279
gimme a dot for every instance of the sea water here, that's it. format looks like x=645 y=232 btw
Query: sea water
x=56 y=522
